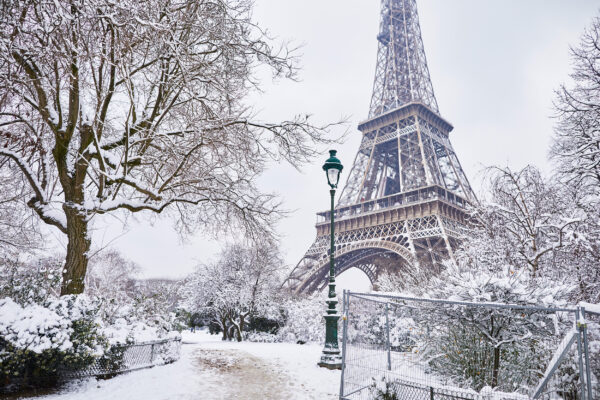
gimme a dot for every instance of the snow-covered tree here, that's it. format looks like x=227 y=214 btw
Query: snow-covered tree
x=576 y=152
x=525 y=216
x=576 y=142
x=111 y=277
x=578 y=261
x=240 y=284
x=486 y=346
x=131 y=304
x=139 y=106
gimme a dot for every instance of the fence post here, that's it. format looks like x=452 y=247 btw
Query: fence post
x=430 y=392
x=345 y=307
x=387 y=330
x=152 y=353
x=586 y=354
x=580 y=354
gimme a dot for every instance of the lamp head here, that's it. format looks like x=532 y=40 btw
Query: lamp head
x=333 y=167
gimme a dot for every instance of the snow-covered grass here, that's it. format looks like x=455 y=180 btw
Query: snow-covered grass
x=212 y=369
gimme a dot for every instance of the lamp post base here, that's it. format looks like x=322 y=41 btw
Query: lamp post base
x=331 y=359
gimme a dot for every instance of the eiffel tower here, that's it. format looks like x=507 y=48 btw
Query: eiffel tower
x=403 y=208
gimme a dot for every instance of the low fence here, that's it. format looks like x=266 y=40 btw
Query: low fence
x=406 y=348
x=130 y=357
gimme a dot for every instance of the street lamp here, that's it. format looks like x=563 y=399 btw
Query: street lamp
x=331 y=357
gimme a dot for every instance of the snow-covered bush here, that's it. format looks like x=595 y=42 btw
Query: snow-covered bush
x=303 y=320
x=31 y=282
x=261 y=337
x=37 y=341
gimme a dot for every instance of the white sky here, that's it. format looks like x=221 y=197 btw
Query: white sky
x=494 y=65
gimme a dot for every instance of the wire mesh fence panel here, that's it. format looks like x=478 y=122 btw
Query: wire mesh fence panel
x=123 y=358
x=409 y=348
x=592 y=350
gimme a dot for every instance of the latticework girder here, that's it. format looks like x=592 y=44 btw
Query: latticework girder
x=402 y=75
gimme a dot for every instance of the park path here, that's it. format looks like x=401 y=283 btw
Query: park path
x=210 y=369
x=236 y=374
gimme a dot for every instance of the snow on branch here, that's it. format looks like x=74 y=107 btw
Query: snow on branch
x=38 y=202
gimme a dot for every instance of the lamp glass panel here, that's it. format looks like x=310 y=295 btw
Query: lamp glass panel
x=333 y=175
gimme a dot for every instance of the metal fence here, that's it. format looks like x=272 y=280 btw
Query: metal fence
x=129 y=357
x=407 y=348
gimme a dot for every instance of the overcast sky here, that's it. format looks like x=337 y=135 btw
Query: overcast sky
x=494 y=65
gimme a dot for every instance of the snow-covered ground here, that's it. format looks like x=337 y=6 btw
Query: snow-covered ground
x=212 y=369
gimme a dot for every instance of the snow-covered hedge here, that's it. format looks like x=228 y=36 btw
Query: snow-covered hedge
x=34 y=328
x=38 y=340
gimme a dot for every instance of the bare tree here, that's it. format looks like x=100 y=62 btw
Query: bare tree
x=139 y=106
x=576 y=142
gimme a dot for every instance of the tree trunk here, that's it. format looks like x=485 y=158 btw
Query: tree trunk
x=77 y=252
x=496 y=367
x=240 y=329
x=224 y=328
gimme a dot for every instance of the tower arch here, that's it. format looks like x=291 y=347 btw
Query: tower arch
x=370 y=256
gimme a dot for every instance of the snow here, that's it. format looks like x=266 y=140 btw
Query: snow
x=53 y=115
x=54 y=214
x=212 y=369
x=592 y=308
x=87 y=112
x=122 y=331
x=33 y=327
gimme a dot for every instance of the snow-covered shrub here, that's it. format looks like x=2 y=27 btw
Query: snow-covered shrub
x=384 y=390
x=31 y=282
x=129 y=310
x=144 y=308
x=38 y=341
x=170 y=351
x=269 y=323
x=261 y=337
x=264 y=325
x=303 y=320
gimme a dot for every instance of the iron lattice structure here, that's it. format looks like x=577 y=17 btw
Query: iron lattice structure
x=403 y=208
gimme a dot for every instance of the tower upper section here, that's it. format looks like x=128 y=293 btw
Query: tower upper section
x=401 y=75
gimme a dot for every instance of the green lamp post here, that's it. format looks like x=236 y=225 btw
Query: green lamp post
x=331 y=357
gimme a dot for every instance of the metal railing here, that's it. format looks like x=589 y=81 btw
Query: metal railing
x=419 y=348
x=369 y=207
x=129 y=357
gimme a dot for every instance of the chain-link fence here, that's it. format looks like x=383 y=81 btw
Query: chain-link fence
x=129 y=357
x=423 y=349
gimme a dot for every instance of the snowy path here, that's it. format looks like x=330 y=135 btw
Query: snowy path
x=210 y=369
